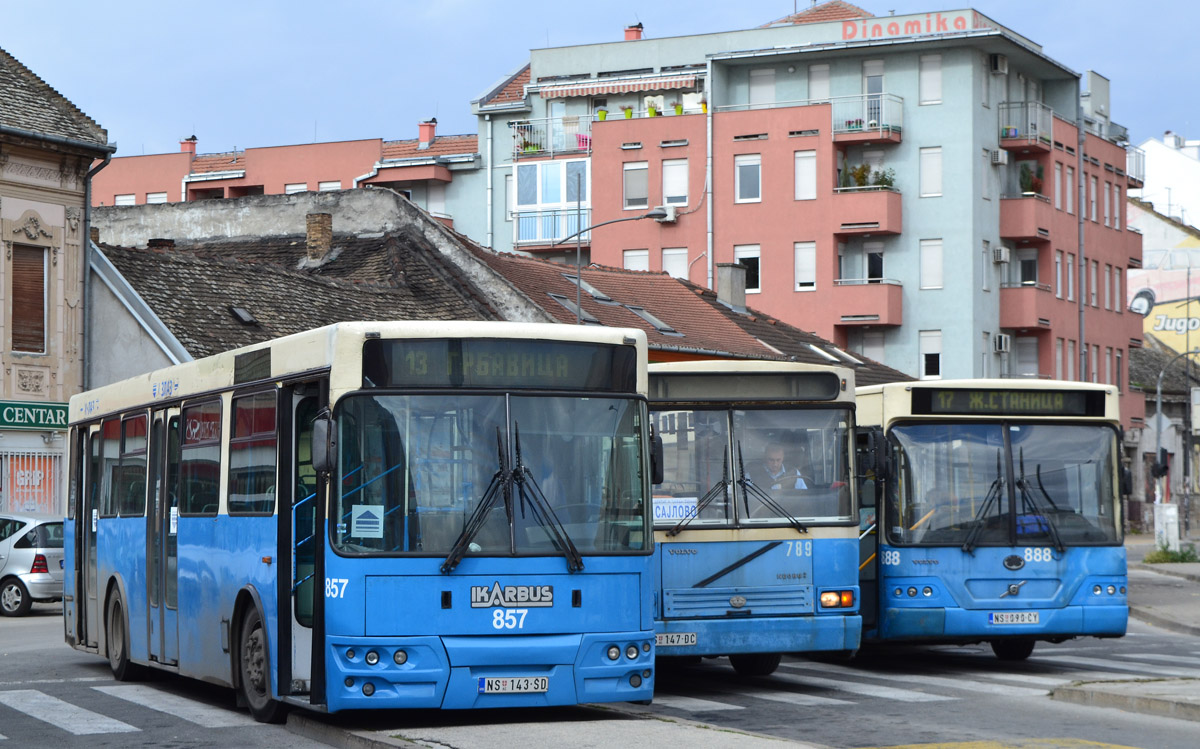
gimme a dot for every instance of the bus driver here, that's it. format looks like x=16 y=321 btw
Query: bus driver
x=773 y=476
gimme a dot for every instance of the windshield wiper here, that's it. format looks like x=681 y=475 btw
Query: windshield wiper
x=993 y=496
x=750 y=490
x=721 y=488
x=499 y=486
x=1043 y=508
x=531 y=494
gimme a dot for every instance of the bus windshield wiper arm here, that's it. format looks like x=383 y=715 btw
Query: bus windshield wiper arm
x=531 y=494
x=499 y=486
x=1046 y=508
x=720 y=488
x=752 y=490
x=993 y=496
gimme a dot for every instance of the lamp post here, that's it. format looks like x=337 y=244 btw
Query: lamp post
x=658 y=213
x=1158 y=419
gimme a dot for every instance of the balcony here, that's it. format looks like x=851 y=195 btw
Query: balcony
x=551 y=136
x=544 y=227
x=1026 y=127
x=1135 y=166
x=868 y=301
x=1026 y=217
x=860 y=211
x=1027 y=306
x=869 y=118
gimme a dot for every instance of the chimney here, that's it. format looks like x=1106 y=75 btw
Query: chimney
x=94 y=234
x=188 y=145
x=158 y=243
x=633 y=33
x=731 y=286
x=427 y=132
x=319 y=235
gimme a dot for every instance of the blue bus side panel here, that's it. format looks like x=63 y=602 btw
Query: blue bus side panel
x=69 y=590
x=121 y=559
x=945 y=593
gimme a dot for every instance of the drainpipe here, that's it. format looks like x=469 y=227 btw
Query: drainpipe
x=708 y=170
x=1083 y=207
x=85 y=358
x=490 y=218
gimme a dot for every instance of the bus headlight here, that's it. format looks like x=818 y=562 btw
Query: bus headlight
x=400 y=657
x=1112 y=589
x=631 y=652
x=927 y=591
x=830 y=599
x=635 y=681
x=912 y=592
x=368 y=689
x=614 y=652
x=350 y=654
x=372 y=657
x=1096 y=590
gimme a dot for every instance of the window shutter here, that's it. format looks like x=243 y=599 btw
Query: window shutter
x=29 y=299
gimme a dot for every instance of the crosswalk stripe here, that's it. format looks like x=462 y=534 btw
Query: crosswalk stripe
x=870 y=690
x=60 y=714
x=1047 y=681
x=179 y=707
x=1107 y=664
x=54 y=681
x=795 y=698
x=1159 y=657
x=930 y=680
x=692 y=704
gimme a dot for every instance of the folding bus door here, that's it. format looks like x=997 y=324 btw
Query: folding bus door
x=87 y=520
x=163 y=548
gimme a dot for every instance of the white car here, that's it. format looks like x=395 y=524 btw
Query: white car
x=31 y=561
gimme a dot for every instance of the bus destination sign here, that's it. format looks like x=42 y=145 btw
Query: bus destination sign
x=973 y=402
x=499 y=363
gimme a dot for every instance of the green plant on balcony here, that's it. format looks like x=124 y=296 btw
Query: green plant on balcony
x=884 y=177
x=628 y=110
x=1030 y=178
x=861 y=175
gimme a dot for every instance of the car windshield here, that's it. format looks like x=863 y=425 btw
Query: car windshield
x=778 y=466
x=416 y=468
x=998 y=484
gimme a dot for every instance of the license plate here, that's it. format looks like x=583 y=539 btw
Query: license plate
x=675 y=638
x=1013 y=617
x=511 y=684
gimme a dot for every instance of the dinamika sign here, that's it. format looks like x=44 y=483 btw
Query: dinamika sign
x=26 y=415
x=914 y=25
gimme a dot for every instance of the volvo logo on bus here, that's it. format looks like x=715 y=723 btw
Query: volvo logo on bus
x=737 y=601
x=511 y=596
x=1014 y=562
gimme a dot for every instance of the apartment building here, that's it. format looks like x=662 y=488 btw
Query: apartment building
x=913 y=187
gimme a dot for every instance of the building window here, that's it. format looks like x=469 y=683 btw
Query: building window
x=806 y=266
x=295 y=187
x=1107 y=286
x=1092 y=363
x=806 y=175
x=1058 y=358
x=1108 y=365
x=675 y=182
x=931 y=354
x=985 y=356
x=1058 y=274
x=1092 y=285
x=1026 y=359
x=124 y=200
x=1058 y=185
x=1118 y=300
x=1107 y=202
x=985 y=268
x=1116 y=201
x=1027 y=267
x=762 y=87
x=28 y=312
x=435 y=200
x=1070 y=278
x=931 y=172
x=872 y=344
x=747 y=178
x=1070 y=360
x=818 y=83
x=335 y=184
x=931 y=263
x=637 y=187
x=985 y=182
x=509 y=198
x=637 y=260
x=1118 y=381
x=675 y=262
x=748 y=255
x=930 y=79
x=873 y=261
x=1093 y=184
x=1071 y=189
x=153 y=198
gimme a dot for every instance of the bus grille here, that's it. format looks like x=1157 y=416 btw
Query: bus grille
x=789 y=600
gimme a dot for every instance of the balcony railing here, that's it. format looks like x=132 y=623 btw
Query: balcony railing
x=548 y=226
x=868 y=113
x=551 y=135
x=1135 y=163
x=864 y=281
x=1029 y=122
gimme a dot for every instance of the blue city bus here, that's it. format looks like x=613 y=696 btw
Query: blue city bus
x=998 y=513
x=373 y=515
x=755 y=522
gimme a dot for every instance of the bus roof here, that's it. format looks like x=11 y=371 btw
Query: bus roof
x=728 y=378
x=316 y=350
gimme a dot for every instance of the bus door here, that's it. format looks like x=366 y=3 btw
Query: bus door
x=306 y=540
x=87 y=520
x=872 y=461
x=161 y=524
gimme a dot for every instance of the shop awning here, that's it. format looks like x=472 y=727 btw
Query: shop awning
x=600 y=88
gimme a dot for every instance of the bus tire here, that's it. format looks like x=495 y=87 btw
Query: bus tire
x=14 y=598
x=116 y=634
x=755 y=664
x=254 y=679
x=1012 y=650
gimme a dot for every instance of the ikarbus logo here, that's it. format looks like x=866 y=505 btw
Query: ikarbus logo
x=511 y=596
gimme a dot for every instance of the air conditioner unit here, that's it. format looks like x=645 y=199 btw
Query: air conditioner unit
x=999 y=65
x=1001 y=254
x=1002 y=343
x=1000 y=156
x=672 y=214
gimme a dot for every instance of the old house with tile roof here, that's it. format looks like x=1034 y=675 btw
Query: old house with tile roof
x=47 y=147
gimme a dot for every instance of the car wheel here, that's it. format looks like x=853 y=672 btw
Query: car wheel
x=1012 y=650
x=254 y=677
x=755 y=664
x=116 y=633
x=14 y=598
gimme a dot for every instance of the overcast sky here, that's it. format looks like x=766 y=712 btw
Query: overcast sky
x=275 y=72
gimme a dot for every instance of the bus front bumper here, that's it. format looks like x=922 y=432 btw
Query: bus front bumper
x=973 y=625
x=776 y=634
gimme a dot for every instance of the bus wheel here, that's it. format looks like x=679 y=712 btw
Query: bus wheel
x=1012 y=650
x=253 y=671
x=117 y=641
x=14 y=599
x=755 y=664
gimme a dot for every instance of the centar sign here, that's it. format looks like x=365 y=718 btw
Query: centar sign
x=25 y=415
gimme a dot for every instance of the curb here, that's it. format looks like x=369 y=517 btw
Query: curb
x=1161 y=570
x=1101 y=697
x=311 y=727
x=1164 y=622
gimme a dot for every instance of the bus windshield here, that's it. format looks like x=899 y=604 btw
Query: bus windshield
x=1002 y=484
x=414 y=468
x=753 y=467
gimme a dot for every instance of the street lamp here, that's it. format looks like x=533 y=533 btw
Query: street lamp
x=1161 y=465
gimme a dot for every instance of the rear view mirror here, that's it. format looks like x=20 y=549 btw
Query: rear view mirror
x=657 y=471
x=1126 y=481
x=324 y=443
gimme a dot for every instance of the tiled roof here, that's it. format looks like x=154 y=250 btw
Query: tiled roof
x=442 y=145
x=512 y=91
x=218 y=162
x=390 y=277
x=29 y=103
x=1152 y=358
x=834 y=10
